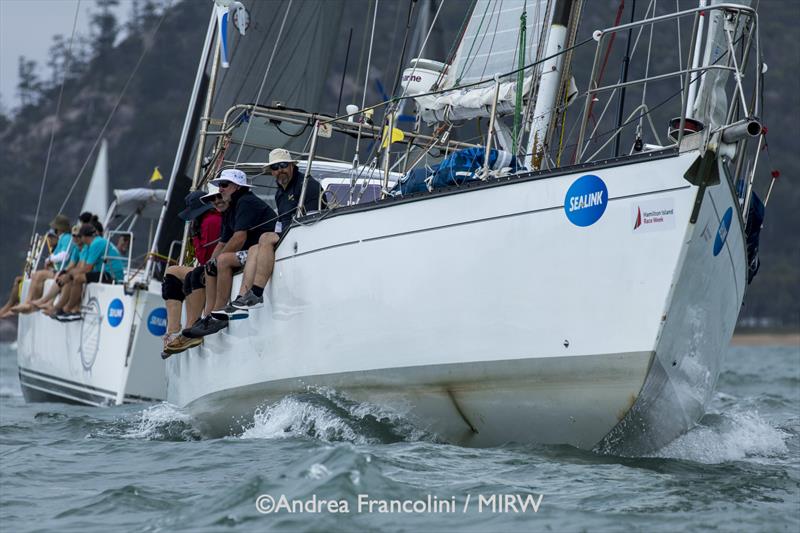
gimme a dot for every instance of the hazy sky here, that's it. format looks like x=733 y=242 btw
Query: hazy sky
x=27 y=28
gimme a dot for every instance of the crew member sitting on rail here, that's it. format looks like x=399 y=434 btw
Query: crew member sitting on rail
x=184 y=283
x=290 y=185
x=48 y=303
x=61 y=234
x=89 y=269
x=246 y=219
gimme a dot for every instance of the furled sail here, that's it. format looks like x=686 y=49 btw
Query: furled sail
x=711 y=104
x=490 y=46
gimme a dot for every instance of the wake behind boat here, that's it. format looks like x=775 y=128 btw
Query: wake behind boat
x=523 y=295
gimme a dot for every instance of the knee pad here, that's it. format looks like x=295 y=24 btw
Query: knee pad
x=197 y=278
x=187 y=284
x=172 y=288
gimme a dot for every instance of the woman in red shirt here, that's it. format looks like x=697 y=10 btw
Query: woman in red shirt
x=187 y=283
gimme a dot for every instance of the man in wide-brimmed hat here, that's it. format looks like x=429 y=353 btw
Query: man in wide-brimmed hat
x=290 y=185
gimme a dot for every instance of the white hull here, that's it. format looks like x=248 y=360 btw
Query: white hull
x=110 y=357
x=487 y=316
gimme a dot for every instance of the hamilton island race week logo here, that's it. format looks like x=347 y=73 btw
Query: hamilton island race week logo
x=654 y=215
x=586 y=200
x=722 y=231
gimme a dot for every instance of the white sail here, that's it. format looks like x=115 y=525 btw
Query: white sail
x=96 y=200
x=490 y=47
x=711 y=103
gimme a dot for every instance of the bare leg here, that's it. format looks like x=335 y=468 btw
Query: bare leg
x=249 y=269
x=173 y=315
x=266 y=259
x=194 y=305
x=34 y=291
x=225 y=264
x=211 y=291
x=13 y=298
x=73 y=304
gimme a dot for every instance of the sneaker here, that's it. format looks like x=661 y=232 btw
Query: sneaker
x=63 y=316
x=248 y=301
x=230 y=313
x=207 y=326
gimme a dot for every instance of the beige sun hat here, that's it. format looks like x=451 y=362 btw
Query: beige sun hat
x=280 y=155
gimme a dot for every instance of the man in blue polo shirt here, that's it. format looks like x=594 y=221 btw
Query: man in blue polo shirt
x=88 y=270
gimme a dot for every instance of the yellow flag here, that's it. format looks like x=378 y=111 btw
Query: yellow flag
x=156 y=175
x=397 y=135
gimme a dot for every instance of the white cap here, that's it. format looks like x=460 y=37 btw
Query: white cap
x=232 y=175
x=213 y=190
x=280 y=155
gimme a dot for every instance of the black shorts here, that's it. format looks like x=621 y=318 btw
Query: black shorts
x=194 y=280
x=94 y=277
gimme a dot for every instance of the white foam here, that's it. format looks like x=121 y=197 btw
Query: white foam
x=292 y=418
x=154 y=419
x=318 y=471
x=734 y=437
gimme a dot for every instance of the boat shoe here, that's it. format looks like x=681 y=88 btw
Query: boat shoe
x=180 y=344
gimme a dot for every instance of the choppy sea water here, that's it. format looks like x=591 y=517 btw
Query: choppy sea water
x=146 y=468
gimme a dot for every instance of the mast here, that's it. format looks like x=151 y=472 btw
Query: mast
x=182 y=144
x=548 y=85
x=698 y=45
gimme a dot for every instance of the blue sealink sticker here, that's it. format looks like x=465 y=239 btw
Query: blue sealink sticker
x=116 y=311
x=586 y=200
x=157 y=321
x=722 y=232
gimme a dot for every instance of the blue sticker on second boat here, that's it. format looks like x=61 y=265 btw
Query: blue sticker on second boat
x=116 y=311
x=157 y=321
x=586 y=200
x=723 y=230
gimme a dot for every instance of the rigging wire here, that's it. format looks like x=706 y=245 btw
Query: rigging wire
x=366 y=75
x=55 y=122
x=264 y=79
x=145 y=50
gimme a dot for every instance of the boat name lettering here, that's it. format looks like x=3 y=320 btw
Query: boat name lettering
x=586 y=200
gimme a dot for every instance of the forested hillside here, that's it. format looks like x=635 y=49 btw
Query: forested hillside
x=156 y=69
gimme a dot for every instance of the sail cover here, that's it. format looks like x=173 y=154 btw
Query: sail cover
x=297 y=77
x=489 y=47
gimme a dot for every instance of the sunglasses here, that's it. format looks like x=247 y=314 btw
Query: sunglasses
x=214 y=198
x=224 y=184
x=276 y=166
